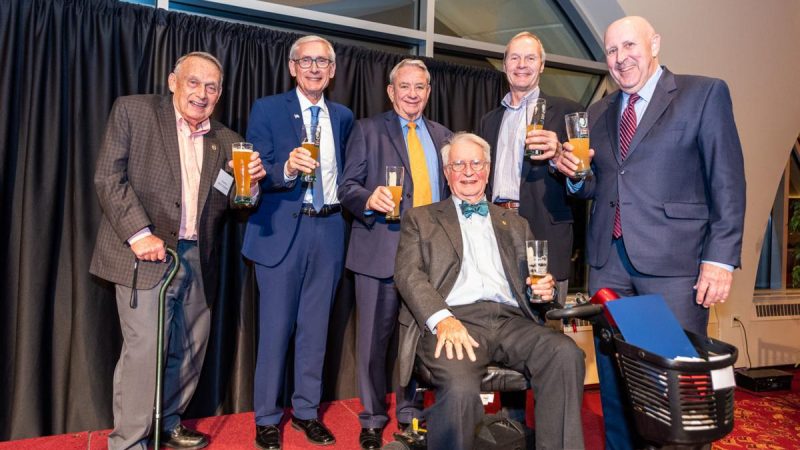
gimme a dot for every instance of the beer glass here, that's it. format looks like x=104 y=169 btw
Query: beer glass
x=311 y=134
x=578 y=135
x=394 y=181
x=535 y=111
x=241 y=173
x=537 y=264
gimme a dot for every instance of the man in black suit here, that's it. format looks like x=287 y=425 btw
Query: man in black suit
x=160 y=183
x=461 y=270
x=530 y=185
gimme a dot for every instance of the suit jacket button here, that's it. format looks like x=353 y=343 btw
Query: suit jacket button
x=622 y=172
x=408 y=195
x=174 y=234
x=177 y=204
x=294 y=215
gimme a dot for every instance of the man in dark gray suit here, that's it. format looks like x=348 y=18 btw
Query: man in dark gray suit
x=375 y=143
x=668 y=190
x=461 y=271
x=160 y=180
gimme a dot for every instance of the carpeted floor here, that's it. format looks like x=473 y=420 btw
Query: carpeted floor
x=763 y=421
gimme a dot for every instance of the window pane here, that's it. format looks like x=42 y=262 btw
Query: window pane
x=497 y=22
x=401 y=13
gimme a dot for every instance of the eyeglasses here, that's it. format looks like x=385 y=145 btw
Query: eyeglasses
x=476 y=165
x=305 y=63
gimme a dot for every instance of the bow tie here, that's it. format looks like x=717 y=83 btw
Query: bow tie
x=482 y=208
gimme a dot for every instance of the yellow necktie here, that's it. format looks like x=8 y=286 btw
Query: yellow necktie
x=419 y=168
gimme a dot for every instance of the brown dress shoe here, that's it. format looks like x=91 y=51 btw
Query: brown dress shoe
x=371 y=438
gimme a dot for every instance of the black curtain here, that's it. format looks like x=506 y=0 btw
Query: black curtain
x=62 y=64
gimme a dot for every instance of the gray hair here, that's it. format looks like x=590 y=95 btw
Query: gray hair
x=312 y=38
x=468 y=137
x=203 y=55
x=526 y=34
x=409 y=62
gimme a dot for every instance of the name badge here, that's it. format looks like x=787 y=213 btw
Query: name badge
x=224 y=182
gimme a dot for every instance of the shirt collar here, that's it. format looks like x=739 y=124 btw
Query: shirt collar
x=306 y=103
x=529 y=97
x=183 y=126
x=404 y=121
x=646 y=92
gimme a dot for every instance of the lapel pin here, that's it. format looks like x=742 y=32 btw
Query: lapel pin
x=213 y=147
x=503 y=222
x=297 y=116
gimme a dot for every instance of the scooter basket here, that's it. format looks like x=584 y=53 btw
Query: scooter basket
x=674 y=401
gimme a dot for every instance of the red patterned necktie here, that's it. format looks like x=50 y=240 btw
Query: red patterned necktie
x=627 y=128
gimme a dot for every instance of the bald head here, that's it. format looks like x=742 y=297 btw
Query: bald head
x=631 y=46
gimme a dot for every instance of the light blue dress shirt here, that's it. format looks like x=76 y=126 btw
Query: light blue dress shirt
x=481 y=276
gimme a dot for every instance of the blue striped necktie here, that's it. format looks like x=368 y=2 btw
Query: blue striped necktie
x=317 y=188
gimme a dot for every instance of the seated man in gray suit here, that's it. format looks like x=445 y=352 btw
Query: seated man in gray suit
x=461 y=271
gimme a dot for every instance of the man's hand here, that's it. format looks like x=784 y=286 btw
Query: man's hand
x=450 y=334
x=544 y=287
x=380 y=200
x=300 y=160
x=713 y=285
x=149 y=248
x=546 y=141
x=567 y=163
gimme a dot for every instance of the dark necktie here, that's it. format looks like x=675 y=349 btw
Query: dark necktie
x=481 y=208
x=317 y=192
x=627 y=128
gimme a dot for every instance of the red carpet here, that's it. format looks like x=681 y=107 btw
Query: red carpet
x=763 y=421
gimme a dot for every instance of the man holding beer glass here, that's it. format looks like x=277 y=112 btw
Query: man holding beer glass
x=160 y=182
x=462 y=270
x=405 y=139
x=527 y=183
x=668 y=190
x=296 y=240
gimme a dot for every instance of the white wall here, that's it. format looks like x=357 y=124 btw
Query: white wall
x=755 y=47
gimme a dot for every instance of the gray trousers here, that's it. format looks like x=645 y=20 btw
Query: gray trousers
x=551 y=359
x=187 y=324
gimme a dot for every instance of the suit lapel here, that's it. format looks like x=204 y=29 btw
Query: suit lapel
x=662 y=97
x=338 y=145
x=493 y=133
x=505 y=243
x=212 y=152
x=395 y=131
x=293 y=111
x=612 y=124
x=447 y=216
x=169 y=135
x=439 y=141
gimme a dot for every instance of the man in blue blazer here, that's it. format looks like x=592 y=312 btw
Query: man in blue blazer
x=668 y=190
x=296 y=240
x=375 y=143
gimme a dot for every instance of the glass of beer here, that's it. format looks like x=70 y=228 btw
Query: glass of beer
x=578 y=135
x=535 y=111
x=311 y=134
x=537 y=264
x=394 y=181
x=241 y=158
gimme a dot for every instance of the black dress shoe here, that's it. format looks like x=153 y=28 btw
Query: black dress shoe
x=185 y=438
x=268 y=437
x=315 y=431
x=371 y=438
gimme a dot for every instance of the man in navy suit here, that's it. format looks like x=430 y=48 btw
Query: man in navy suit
x=668 y=190
x=296 y=240
x=375 y=143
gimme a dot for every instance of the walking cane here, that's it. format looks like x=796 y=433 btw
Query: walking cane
x=162 y=306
